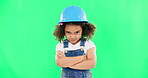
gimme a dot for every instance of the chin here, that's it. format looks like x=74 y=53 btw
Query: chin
x=74 y=42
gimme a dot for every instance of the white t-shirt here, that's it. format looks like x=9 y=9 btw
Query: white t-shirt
x=88 y=44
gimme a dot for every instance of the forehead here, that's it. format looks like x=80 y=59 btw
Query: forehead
x=73 y=28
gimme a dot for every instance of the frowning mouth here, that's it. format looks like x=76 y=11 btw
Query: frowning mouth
x=73 y=40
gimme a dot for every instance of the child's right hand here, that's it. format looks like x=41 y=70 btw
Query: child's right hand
x=60 y=54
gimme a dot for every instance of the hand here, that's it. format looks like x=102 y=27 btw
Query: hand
x=85 y=57
x=60 y=54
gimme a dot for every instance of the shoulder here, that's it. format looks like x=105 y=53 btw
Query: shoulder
x=89 y=44
x=59 y=46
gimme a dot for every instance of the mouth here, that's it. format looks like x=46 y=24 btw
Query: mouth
x=73 y=40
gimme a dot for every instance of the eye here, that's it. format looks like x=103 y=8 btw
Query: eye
x=67 y=32
x=77 y=32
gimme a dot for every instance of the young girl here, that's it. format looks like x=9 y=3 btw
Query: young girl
x=75 y=54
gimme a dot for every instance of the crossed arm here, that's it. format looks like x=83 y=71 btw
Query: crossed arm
x=84 y=62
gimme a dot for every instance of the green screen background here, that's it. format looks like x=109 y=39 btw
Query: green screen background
x=27 y=46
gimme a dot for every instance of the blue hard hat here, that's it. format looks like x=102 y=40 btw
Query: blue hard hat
x=73 y=14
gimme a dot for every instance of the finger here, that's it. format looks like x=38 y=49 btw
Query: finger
x=60 y=55
x=59 y=52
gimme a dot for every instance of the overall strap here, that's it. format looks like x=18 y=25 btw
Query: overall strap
x=65 y=45
x=82 y=44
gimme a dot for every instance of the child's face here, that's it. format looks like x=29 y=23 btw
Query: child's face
x=73 y=33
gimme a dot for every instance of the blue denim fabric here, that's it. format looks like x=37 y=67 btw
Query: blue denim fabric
x=75 y=73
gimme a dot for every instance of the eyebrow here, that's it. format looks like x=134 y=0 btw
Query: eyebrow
x=75 y=31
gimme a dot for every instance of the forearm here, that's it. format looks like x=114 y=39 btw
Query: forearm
x=86 y=64
x=69 y=61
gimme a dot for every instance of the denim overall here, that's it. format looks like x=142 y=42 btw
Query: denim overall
x=75 y=73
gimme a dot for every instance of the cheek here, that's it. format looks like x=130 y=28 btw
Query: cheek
x=79 y=35
x=67 y=36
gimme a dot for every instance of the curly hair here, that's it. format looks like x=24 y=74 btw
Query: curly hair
x=88 y=30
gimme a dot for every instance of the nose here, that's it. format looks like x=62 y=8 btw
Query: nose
x=72 y=36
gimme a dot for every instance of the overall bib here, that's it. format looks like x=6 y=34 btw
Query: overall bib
x=75 y=73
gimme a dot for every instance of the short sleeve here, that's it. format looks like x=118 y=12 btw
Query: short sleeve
x=89 y=44
x=59 y=46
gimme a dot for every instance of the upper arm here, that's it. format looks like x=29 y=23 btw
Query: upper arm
x=59 y=48
x=90 y=50
x=91 y=54
x=58 y=52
